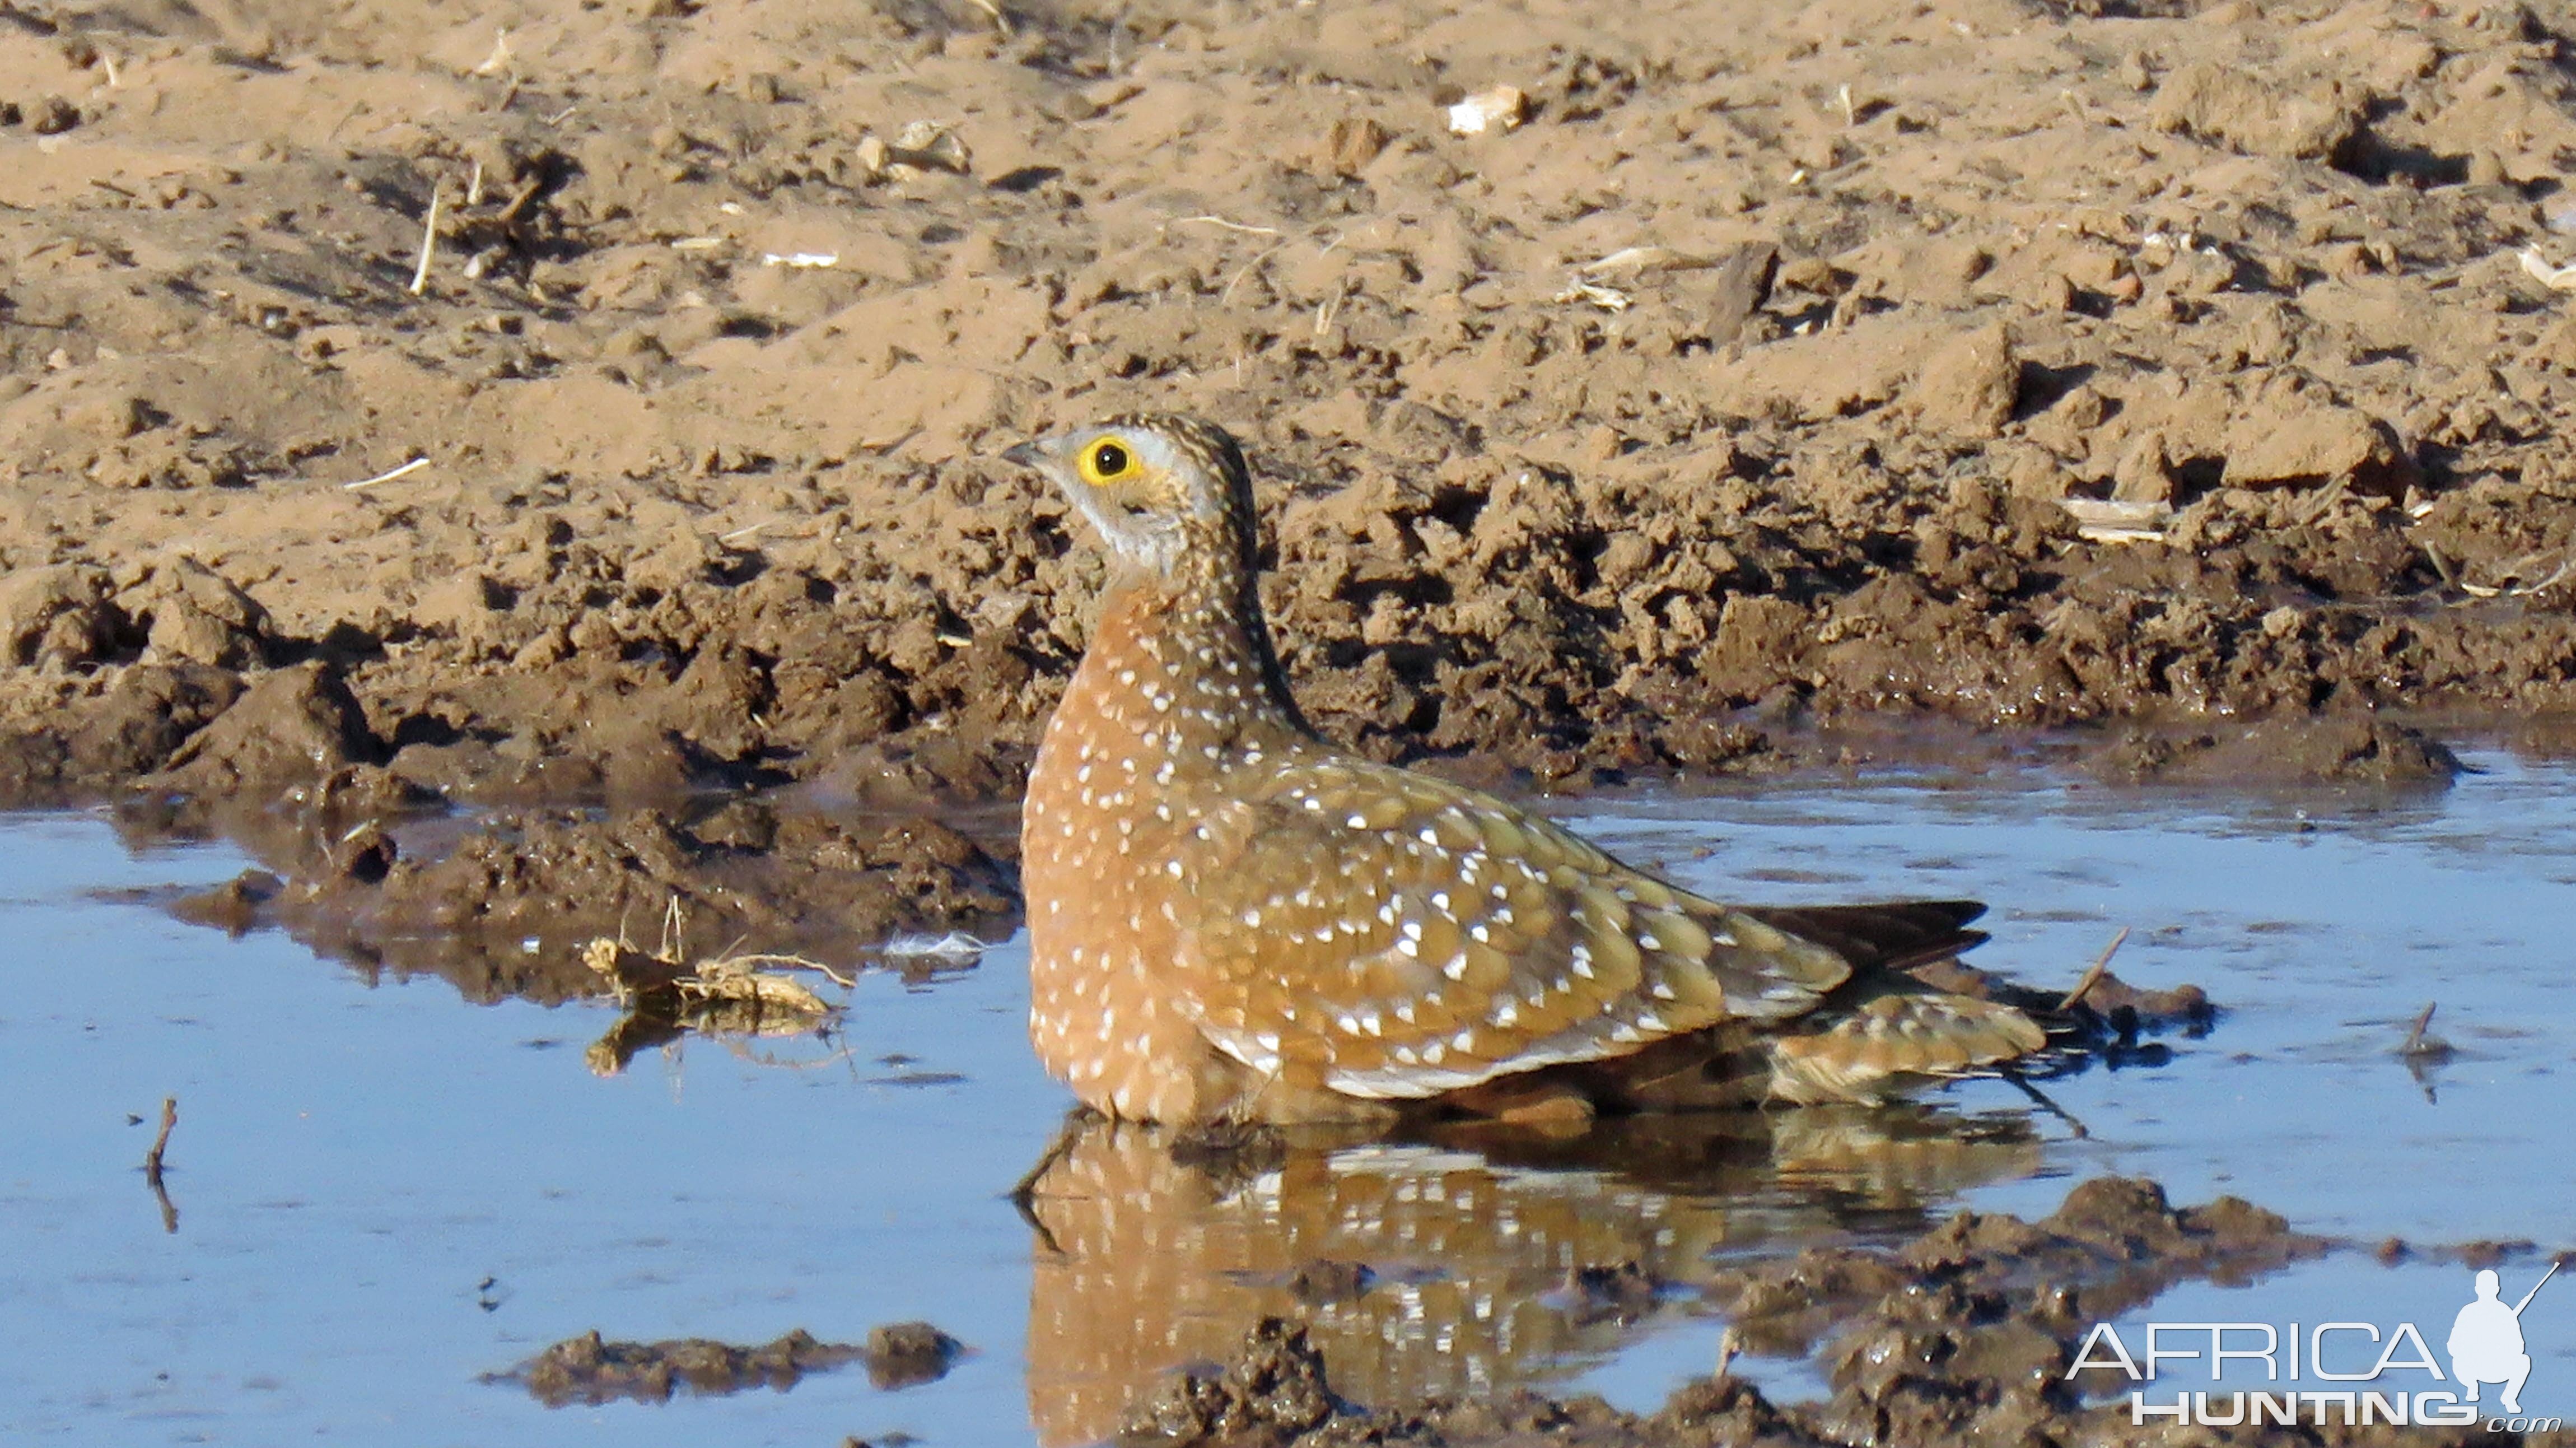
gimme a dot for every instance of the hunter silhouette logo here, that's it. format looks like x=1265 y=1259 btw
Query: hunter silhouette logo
x=2351 y=1373
x=2486 y=1340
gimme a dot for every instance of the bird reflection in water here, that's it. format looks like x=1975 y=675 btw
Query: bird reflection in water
x=1477 y=1258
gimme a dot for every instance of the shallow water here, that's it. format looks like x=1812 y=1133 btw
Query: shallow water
x=353 y=1162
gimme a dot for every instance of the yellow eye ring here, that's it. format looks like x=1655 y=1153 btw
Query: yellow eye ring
x=1107 y=461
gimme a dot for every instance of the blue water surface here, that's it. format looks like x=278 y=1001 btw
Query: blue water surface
x=354 y=1163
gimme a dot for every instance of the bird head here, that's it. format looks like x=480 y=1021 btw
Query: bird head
x=1162 y=489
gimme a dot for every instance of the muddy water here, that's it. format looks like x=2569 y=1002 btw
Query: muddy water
x=384 y=1198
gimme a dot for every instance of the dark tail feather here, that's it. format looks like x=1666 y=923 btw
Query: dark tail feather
x=1882 y=937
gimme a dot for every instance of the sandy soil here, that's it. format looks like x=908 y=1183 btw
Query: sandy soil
x=691 y=517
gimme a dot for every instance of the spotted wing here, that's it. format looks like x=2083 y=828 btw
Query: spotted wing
x=1896 y=1030
x=1388 y=935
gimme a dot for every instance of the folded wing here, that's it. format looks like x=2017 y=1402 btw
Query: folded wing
x=1392 y=936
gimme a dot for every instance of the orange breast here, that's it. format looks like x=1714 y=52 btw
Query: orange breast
x=1104 y=1015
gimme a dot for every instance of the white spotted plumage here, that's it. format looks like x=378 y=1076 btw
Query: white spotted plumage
x=1277 y=924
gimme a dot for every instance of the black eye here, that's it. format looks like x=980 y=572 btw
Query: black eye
x=1108 y=460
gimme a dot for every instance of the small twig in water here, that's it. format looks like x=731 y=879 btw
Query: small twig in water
x=675 y=929
x=407 y=469
x=794 y=962
x=161 y=1143
x=2041 y=1099
x=2093 y=974
x=429 y=235
x=1024 y=1192
x=2416 y=1045
x=152 y=1165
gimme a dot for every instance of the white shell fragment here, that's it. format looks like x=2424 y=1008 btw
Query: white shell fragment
x=1500 y=109
x=2556 y=278
x=2101 y=521
x=1608 y=299
x=919 y=146
x=1641 y=260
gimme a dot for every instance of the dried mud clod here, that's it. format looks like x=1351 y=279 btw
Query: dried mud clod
x=591 y=1370
x=1272 y=1390
x=1622 y=1292
x=904 y=1354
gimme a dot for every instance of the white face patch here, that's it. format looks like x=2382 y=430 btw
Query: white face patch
x=1146 y=538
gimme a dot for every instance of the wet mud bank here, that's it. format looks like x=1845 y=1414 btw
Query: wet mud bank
x=503 y=904
x=590 y=1370
x=505 y=900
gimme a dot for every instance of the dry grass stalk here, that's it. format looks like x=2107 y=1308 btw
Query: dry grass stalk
x=429 y=236
x=2093 y=976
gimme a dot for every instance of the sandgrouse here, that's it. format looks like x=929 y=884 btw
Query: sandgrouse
x=1232 y=919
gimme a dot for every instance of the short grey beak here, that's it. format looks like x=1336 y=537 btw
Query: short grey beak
x=1027 y=455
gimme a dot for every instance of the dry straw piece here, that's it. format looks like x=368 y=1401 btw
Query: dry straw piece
x=730 y=995
x=635 y=977
x=429 y=236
